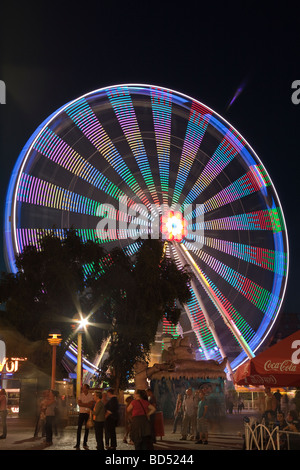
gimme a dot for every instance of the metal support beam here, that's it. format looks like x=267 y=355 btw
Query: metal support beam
x=208 y=320
x=227 y=320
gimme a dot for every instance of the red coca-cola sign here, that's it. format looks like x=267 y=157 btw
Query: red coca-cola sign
x=283 y=366
x=278 y=365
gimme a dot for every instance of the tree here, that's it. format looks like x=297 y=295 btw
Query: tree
x=48 y=288
x=138 y=292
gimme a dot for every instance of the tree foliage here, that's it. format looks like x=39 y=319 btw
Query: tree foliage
x=49 y=288
x=128 y=296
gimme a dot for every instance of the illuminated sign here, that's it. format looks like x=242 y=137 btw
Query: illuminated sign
x=11 y=365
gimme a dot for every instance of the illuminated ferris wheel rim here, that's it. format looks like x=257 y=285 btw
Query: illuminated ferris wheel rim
x=11 y=203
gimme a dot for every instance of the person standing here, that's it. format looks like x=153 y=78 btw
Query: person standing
x=202 y=420
x=86 y=403
x=153 y=402
x=141 y=411
x=178 y=412
x=50 y=416
x=189 y=422
x=99 y=418
x=278 y=397
x=128 y=420
x=270 y=404
x=270 y=400
x=3 y=412
x=41 y=420
x=111 y=419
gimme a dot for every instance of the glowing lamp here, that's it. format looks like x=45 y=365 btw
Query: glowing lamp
x=54 y=339
x=80 y=323
x=173 y=226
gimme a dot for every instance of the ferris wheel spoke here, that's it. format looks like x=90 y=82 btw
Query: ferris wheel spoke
x=251 y=182
x=121 y=102
x=88 y=123
x=53 y=147
x=36 y=191
x=267 y=219
x=223 y=155
x=270 y=260
x=196 y=127
x=162 y=119
x=199 y=323
x=223 y=303
x=223 y=311
x=261 y=298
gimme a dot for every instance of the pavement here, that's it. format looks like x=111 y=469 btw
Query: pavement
x=226 y=435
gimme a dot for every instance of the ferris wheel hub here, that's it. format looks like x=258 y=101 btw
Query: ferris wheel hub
x=174 y=226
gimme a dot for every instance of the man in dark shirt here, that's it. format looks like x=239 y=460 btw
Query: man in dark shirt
x=111 y=419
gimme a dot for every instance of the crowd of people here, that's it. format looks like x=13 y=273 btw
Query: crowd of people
x=277 y=411
x=191 y=413
x=102 y=411
x=98 y=410
x=194 y=412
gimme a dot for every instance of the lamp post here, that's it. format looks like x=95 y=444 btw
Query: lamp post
x=80 y=326
x=54 y=339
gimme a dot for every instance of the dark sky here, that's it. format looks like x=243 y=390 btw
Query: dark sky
x=52 y=54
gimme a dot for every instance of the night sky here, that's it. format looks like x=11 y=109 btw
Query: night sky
x=53 y=54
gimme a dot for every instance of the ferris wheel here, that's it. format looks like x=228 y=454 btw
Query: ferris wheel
x=127 y=161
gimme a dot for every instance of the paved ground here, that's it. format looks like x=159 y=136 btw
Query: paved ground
x=226 y=436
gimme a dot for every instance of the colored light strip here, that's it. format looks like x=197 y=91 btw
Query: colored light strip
x=253 y=292
x=162 y=112
x=258 y=220
x=53 y=147
x=267 y=259
x=85 y=119
x=243 y=186
x=36 y=191
x=219 y=160
x=197 y=124
x=169 y=328
x=121 y=102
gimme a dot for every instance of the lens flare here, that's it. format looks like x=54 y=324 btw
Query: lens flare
x=174 y=226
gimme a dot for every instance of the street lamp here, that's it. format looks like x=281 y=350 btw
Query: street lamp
x=54 y=339
x=80 y=325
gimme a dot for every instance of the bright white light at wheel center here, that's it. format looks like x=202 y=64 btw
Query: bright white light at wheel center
x=174 y=226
